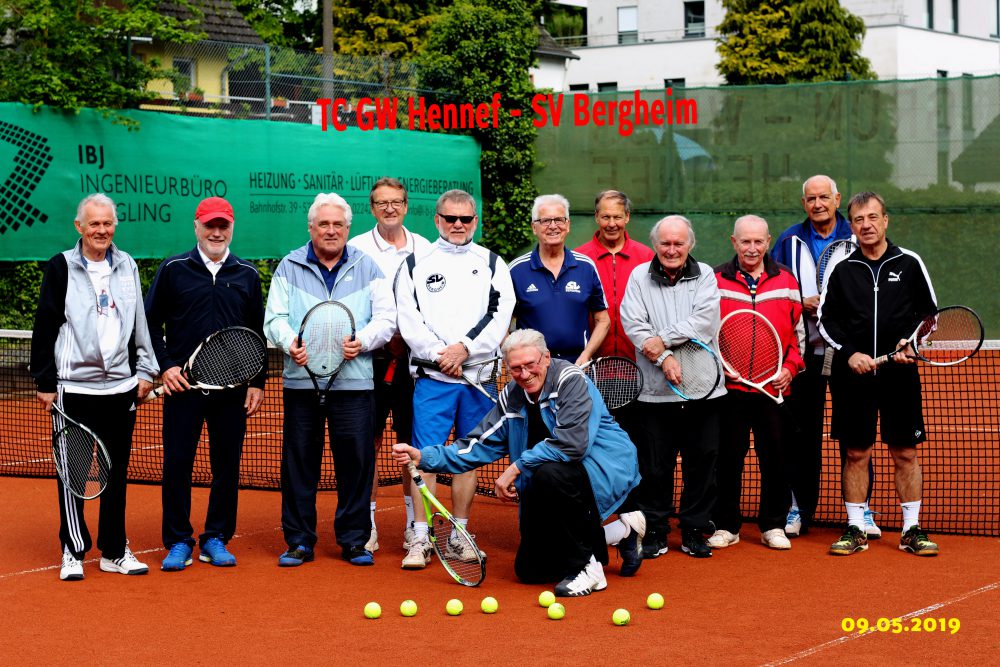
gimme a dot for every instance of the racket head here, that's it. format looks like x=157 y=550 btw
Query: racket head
x=832 y=255
x=81 y=459
x=618 y=379
x=458 y=553
x=491 y=378
x=322 y=334
x=700 y=370
x=950 y=336
x=749 y=347
x=228 y=358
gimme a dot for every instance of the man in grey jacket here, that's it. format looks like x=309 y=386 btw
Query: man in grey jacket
x=91 y=356
x=670 y=300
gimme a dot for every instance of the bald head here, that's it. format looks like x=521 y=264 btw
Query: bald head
x=820 y=200
x=751 y=241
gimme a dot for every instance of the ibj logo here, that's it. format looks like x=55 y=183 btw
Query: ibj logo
x=32 y=160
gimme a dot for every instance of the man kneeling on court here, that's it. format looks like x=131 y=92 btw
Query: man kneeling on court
x=572 y=466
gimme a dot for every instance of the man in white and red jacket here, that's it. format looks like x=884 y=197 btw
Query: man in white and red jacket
x=754 y=281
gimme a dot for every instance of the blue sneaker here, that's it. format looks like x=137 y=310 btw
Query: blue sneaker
x=178 y=558
x=214 y=551
x=358 y=555
x=295 y=556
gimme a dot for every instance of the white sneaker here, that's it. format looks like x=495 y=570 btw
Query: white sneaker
x=636 y=521
x=408 y=536
x=462 y=550
x=418 y=555
x=793 y=523
x=372 y=543
x=590 y=579
x=721 y=539
x=775 y=539
x=72 y=569
x=872 y=530
x=127 y=564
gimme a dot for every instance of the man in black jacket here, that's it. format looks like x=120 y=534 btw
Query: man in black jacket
x=874 y=301
x=192 y=296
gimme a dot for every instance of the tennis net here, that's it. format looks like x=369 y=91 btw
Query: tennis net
x=960 y=460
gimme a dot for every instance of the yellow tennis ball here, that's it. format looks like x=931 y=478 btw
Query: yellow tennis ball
x=454 y=607
x=408 y=608
x=556 y=611
x=621 y=617
x=373 y=610
x=654 y=601
x=546 y=598
x=489 y=605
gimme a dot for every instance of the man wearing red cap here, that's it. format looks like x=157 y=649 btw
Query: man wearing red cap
x=192 y=296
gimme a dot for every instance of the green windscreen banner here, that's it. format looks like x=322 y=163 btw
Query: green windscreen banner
x=269 y=171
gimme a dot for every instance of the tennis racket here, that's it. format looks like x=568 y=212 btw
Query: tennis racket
x=322 y=333
x=751 y=350
x=82 y=461
x=946 y=337
x=455 y=547
x=618 y=380
x=831 y=256
x=226 y=359
x=700 y=372
x=488 y=377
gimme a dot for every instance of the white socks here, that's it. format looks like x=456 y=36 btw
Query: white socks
x=911 y=514
x=615 y=532
x=856 y=514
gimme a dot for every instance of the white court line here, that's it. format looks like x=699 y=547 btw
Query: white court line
x=853 y=636
x=237 y=536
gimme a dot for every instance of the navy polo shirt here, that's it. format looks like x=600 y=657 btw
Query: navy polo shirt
x=559 y=307
x=329 y=275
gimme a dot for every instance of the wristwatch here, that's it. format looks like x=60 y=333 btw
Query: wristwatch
x=663 y=357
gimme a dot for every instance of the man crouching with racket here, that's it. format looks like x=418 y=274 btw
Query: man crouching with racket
x=873 y=301
x=571 y=465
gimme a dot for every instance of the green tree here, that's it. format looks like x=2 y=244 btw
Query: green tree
x=282 y=22
x=77 y=54
x=376 y=27
x=478 y=48
x=784 y=41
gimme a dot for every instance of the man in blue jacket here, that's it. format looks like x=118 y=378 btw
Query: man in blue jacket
x=192 y=296
x=571 y=465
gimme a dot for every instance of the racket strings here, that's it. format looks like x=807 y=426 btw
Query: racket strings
x=699 y=370
x=492 y=377
x=231 y=357
x=323 y=338
x=616 y=379
x=457 y=551
x=749 y=347
x=951 y=335
x=834 y=253
x=80 y=461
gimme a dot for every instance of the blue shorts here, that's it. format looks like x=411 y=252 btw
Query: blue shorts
x=437 y=406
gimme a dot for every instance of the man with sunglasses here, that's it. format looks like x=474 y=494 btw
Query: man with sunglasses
x=454 y=306
x=571 y=466
x=558 y=290
x=389 y=243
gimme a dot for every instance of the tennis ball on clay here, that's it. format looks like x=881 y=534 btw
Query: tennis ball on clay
x=454 y=607
x=489 y=605
x=373 y=610
x=654 y=601
x=621 y=617
x=408 y=608
x=546 y=598
x=556 y=611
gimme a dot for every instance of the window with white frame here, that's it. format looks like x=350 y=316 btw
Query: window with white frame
x=628 y=25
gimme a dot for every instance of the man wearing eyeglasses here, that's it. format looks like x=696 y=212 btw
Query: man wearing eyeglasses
x=571 y=466
x=558 y=291
x=389 y=243
x=454 y=306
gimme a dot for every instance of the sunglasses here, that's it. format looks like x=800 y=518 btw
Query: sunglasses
x=464 y=219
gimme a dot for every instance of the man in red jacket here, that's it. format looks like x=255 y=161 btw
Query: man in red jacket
x=754 y=281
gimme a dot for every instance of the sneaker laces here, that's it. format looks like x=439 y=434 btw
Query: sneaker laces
x=68 y=559
x=127 y=557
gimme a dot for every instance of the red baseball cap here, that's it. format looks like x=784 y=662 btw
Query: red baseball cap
x=213 y=208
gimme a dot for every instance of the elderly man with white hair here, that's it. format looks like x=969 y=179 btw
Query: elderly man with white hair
x=327 y=268
x=668 y=301
x=571 y=465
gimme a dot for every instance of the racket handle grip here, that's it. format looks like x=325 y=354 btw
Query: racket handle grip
x=390 y=372
x=155 y=394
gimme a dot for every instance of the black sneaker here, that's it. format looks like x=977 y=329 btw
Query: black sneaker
x=358 y=555
x=653 y=546
x=915 y=541
x=852 y=541
x=693 y=543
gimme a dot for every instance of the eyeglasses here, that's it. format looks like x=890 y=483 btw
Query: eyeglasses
x=551 y=222
x=390 y=203
x=530 y=367
x=451 y=219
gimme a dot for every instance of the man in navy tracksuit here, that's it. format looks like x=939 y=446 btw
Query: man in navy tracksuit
x=192 y=296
